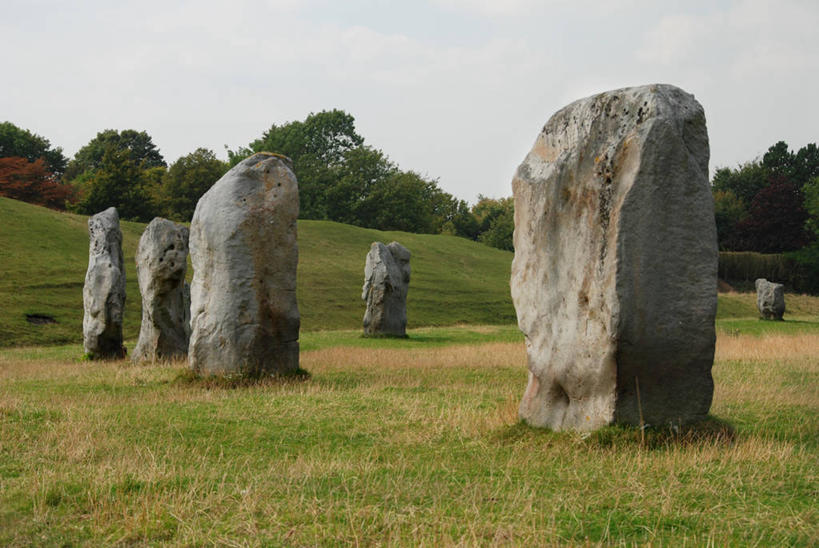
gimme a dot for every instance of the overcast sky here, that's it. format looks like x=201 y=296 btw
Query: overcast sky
x=454 y=89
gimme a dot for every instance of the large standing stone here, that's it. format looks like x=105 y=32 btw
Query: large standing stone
x=615 y=272
x=244 y=315
x=104 y=290
x=162 y=261
x=386 y=283
x=770 y=299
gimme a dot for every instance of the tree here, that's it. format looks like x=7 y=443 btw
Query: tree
x=496 y=221
x=120 y=182
x=400 y=203
x=33 y=182
x=140 y=149
x=778 y=160
x=729 y=211
x=187 y=180
x=318 y=147
x=360 y=170
x=775 y=221
x=743 y=182
x=806 y=164
x=325 y=136
x=17 y=142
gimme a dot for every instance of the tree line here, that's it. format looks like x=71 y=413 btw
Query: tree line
x=341 y=178
x=769 y=205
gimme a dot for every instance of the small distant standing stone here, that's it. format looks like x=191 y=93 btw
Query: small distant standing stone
x=244 y=252
x=104 y=290
x=770 y=299
x=161 y=261
x=386 y=283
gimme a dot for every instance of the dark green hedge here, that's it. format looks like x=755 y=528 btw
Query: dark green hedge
x=747 y=266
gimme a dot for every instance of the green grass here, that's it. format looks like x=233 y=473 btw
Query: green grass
x=388 y=441
x=44 y=255
x=403 y=442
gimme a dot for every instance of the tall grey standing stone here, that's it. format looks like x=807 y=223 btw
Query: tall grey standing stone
x=386 y=283
x=161 y=262
x=244 y=315
x=770 y=299
x=104 y=290
x=614 y=278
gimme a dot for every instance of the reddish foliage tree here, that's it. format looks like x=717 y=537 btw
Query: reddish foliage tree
x=32 y=182
x=775 y=222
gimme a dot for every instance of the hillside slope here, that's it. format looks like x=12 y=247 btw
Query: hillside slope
x=44 y=255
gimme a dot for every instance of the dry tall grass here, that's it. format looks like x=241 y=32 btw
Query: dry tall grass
x=397 y=446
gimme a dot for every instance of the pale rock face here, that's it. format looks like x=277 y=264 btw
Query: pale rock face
x=770 y=299
x=161 y=261
x=386 y=283
x=615 y=271
x=104 y=290
x=244 y=315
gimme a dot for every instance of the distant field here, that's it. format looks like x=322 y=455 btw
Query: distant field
x=409 y=442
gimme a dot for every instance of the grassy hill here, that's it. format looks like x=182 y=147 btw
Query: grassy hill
x=44 y=255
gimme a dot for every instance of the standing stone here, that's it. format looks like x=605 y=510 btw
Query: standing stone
x=614 y=278
x=162 y=261
x=386 y=283
x=244 y=315
x=104 y=290
x=770 y=299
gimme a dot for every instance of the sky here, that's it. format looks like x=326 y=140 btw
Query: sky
x=456 y=90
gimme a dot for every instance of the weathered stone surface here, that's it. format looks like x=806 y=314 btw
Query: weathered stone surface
x=244 y=315
x=615 y=272
x=386 y=283
x=104 y=290
x=161 y=262
x=770 y=299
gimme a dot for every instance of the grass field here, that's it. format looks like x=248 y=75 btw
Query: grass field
x=388 y=441
x=398 y=442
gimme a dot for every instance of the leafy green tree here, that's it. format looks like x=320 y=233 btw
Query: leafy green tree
x=778 y=160
x=120 y=182
x=186 y=180
x=318 y=147
x=811 y=202
x=496 y=221
x=15 y=141
x=400 y=202
x=354 y=178
x=461 y=221
x=138 y=145
x=806 y=164
x=326 y=136
x=743 y=182
x=729 y=211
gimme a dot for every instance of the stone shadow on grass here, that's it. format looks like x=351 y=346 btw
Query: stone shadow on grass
x=188 y=377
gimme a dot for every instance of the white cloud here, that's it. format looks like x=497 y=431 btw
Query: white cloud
x=459 y=97
x=490 y=7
